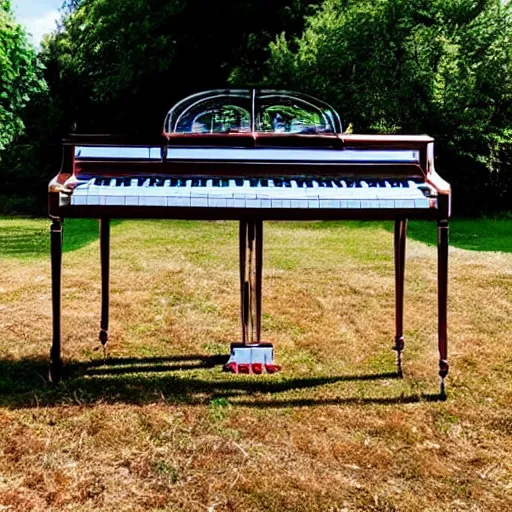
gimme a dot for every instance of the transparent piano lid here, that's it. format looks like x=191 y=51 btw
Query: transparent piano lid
x=252 y=110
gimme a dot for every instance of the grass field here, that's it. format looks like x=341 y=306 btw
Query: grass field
x=157 y=426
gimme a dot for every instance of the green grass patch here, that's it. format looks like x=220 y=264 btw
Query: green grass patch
x=30 y=238
x=484 y=234
x=470 y=234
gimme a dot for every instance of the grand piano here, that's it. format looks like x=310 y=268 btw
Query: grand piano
x=251 y=155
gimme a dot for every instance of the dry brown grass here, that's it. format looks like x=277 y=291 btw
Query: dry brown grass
x=155 y=429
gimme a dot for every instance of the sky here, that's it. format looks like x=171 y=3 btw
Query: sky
x=38 y=16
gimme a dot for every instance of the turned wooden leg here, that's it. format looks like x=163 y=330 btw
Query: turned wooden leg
x=105 y=272
x=259 y=271
x=251 y=261
x=442 y=300
x=55 y=373
x=400 y=239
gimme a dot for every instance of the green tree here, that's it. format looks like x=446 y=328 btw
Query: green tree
x=119 y=65
x=441 y=67
x=19 y=75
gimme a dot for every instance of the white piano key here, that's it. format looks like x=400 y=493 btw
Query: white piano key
x=253 y=203
x=156 y=200
x=93 y=200
x=421 y=203
x=131 y=200
x=238 y=203
x=299 y=203
x=216 y=202
x=265 y=203
x=386 y=203
x=277 y=203
x=329 y=203
x=238 y=195
x=117 y=200
x=78 y=200
x=198 y=201
x=312 y=203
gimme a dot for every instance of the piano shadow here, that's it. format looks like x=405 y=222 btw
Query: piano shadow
x=24 y=384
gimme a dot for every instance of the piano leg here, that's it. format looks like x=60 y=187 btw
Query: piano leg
x=400 y=238
x=105 y=270
x=55 y=372
x=442 y=298
x=251 y=262
x=259 y=270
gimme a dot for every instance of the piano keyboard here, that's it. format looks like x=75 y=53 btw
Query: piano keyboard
x=252 y=193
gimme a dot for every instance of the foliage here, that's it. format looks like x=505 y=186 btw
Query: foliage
x=441 y=67
x=119 y=65
x=19 y=75
x=401 y=66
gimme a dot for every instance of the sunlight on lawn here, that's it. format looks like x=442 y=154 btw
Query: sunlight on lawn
x=158 y=420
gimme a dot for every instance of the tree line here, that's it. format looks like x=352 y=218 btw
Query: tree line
x=441 y=67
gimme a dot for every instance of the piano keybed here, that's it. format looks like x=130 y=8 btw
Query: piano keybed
x=256 y=193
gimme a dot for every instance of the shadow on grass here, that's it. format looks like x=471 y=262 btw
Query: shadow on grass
x=24 y=383
x=26 y=238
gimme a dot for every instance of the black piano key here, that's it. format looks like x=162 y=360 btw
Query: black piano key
x=239 y=182
x=156 y=182
x=102 y=182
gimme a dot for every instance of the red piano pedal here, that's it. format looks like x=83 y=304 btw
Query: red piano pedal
x=231 y=367
x=257 y=368
x=244 y=368
x=254 y=359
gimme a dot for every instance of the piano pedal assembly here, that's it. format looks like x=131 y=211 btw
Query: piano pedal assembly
x=256 y=358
